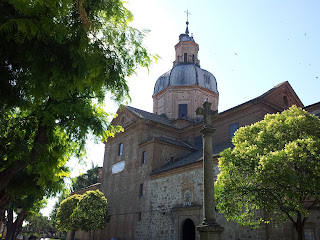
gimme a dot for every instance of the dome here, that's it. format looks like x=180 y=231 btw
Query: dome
x=186 y=74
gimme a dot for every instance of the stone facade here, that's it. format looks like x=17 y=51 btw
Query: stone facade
x=167 y=195
x=152 y=172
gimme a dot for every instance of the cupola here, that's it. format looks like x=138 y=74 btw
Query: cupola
x=180 y=91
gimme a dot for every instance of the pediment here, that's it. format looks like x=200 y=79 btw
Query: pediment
x=283 y=96
x=124 y=117
x=187 y=182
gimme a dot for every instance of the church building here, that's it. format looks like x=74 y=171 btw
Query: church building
x=152 y=173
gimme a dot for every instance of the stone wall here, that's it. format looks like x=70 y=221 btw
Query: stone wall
x=168 y=211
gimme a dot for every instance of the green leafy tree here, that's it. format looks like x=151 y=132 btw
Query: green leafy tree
x=91 y=212
x=274 y=166
x=38 y=223
x=65 y=210
x=53 y=214
x=58 y=59
x=86 y=212
x=28 y=191
x=86 y=179
x=30 y=204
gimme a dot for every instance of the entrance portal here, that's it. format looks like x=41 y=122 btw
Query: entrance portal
x=188 y=230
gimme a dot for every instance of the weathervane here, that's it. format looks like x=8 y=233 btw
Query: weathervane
x=187 y=12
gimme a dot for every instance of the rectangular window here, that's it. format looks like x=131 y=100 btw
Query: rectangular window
x=207 y=79
x=198 y=142
x=141 y=190
x=183 y=110
x=193 y=58
x=120 y=149
x=185 y=57
x=144 y=154
x=139 y=216
x=232 y=129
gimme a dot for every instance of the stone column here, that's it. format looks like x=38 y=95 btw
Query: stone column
x=209 y=228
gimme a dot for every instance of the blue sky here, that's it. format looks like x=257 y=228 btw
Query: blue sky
x=248 y=45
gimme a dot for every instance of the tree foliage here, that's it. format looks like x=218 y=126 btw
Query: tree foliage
x=53 y=214
x=28 y=193
x=91 y=212
x=273 y=166
x=86 y=212
x=65 y=211
x=38 y=223
x=86 y=179
x=58 y=59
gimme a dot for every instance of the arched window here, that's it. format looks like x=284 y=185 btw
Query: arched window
x=187 y=198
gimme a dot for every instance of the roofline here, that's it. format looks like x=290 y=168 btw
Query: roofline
x=94 y=186
x=160 y=172
x=132 y=109
x=311 y=105
x=163 y=140
x=259 y=98
x=181 y=43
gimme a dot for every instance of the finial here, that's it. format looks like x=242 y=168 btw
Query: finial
x=187 y=30
x=187 y=12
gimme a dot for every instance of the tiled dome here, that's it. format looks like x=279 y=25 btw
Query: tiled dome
x=186 y=74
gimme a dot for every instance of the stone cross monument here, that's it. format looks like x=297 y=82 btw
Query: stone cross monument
x=209 y=228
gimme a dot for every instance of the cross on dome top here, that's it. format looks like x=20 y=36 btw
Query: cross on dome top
x=187 y=30
x=187 y=12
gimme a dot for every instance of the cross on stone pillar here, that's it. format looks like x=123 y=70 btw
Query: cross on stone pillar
x=209 y=229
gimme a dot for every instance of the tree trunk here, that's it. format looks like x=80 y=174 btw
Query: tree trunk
x=19 y=221
x=299 y=226
x=72 y=234
x=91 y=235
x=10 y=225
x=5 y=199
x=300 y=232
x=7 y=175
x=16 y=226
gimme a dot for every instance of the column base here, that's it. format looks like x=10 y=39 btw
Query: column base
x=210 y=231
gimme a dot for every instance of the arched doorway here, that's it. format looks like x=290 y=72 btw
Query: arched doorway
x=188 y=230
